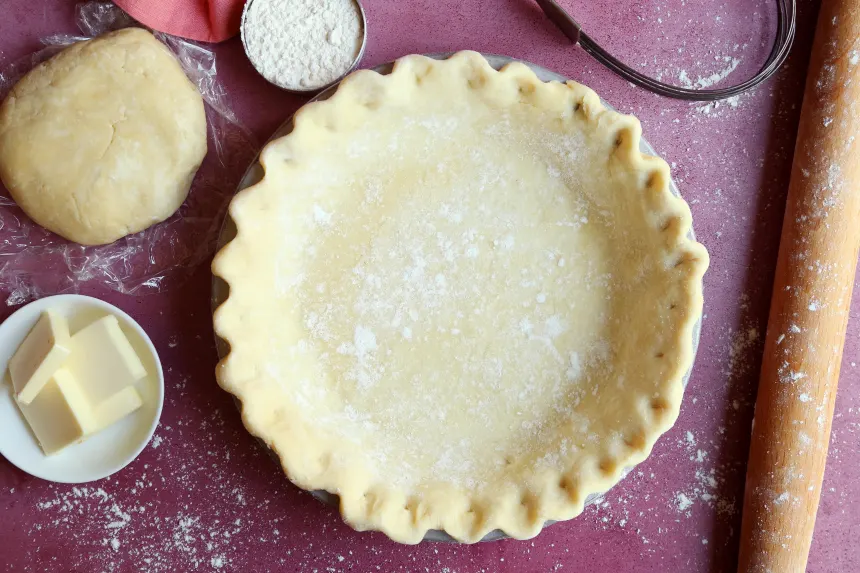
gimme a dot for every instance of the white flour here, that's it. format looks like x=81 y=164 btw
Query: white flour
x=302 y=44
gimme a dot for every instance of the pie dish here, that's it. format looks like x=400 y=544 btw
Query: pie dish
x=459 y=299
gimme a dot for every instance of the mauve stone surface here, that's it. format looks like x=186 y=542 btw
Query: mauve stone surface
x=204 y=496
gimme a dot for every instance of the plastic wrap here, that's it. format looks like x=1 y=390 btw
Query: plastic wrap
x=35 y=262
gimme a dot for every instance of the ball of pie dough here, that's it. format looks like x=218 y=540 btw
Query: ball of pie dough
x=103 y=139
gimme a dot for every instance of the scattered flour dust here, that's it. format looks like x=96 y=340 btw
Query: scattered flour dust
x=683 y=502
x=152 y=543
x=705 y=485
x=637 y=505
x=642 y=505
x=743 y=344
x=716 y=107
x=195 y=510
x=730 y=63
x=709 y=74
x=742 y=341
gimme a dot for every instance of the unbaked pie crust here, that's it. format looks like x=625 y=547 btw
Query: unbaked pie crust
x=460 y=299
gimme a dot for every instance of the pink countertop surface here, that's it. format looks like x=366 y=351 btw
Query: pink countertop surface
x=204 y=496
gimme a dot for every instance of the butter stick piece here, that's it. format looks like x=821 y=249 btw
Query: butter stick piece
x=103 y=361
x=115 y=408
x=60 y=415
x=57 y=416
x=42 y=353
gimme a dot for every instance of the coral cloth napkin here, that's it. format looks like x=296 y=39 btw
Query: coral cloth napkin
x=203 y=20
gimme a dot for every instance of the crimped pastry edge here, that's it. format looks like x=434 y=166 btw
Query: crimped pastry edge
x=551 y=496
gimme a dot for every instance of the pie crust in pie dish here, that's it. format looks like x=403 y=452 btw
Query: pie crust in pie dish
x=459 y=299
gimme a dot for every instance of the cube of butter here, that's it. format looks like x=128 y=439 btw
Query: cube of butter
x=60 y=415
x=57 y=415
x=116 y=408
x=103 y=360
x=41 y=354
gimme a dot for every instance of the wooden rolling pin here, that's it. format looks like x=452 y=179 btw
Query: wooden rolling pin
x=809 y=310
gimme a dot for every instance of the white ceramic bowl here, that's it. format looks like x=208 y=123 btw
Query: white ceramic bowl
x=111 y=449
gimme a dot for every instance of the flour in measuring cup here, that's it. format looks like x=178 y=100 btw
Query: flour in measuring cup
x=302 y=44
